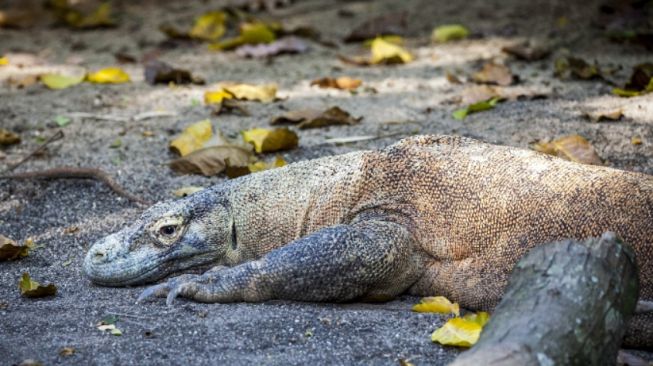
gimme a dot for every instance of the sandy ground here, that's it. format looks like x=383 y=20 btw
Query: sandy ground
x=413 y=98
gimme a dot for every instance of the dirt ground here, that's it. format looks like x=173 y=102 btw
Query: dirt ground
x=412 y=98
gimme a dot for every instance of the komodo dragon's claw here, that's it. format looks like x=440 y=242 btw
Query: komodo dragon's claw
x=166 y=288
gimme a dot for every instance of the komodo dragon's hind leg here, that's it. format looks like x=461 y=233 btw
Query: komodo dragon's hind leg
x=366 y=259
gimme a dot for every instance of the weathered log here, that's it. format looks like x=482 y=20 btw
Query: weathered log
x=567 y=303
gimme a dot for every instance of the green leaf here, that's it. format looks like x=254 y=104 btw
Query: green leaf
x=461 y=113
x=62 y=120
x=449 y=32
x=625 y=93
x=116 y=144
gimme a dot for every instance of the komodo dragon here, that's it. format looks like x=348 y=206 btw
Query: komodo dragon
x=429 y=215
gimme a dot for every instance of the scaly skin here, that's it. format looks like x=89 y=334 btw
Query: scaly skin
x=430 y=215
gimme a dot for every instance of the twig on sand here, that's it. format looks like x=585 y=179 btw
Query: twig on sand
x=57 y=136
x=78 y=173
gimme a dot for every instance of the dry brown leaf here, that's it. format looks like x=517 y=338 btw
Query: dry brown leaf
x=67 y=351
x=312 y=118
x=528 y=51
x=17 y=18
x=605 y=115
x=211 y=160
x=20 y=82
x=479 y=93
x=568 y=67
x=492 y=73
x=30 y=288
x=9 y=249
x=573 y=147
x=158 y=72
x=264 y=93
x=342 y=82
x=8 y=138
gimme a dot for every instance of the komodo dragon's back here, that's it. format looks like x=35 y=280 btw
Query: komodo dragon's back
x=478 y=208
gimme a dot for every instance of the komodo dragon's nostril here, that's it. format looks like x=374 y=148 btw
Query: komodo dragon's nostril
x=99 y=255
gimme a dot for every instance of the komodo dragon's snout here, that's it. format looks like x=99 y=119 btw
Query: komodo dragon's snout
x=169 y=237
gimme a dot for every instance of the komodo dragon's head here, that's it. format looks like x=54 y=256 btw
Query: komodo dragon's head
x=169 y=237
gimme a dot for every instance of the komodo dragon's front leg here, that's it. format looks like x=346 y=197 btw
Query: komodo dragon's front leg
x=367 y=259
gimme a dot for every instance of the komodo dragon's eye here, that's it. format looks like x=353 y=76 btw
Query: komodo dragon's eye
x=168 y=230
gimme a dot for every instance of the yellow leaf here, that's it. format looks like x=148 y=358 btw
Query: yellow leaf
x=636 y=140
x=573 y=147
x=100 y=17
x=216 y=96
x=481 y=318
x=437 y=304
x=458 y=332
x=261 y=165
x=4 y=61
x=56 y=81
x=263 y=93
x=192 y=138
x=449 y=32
x=109 y=75
x=250 y=33
x=209 y=26
x=29 y=288
x=8 y=138
x=265 y=140
x=388 y=53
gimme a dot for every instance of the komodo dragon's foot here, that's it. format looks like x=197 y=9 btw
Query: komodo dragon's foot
x=208 y=287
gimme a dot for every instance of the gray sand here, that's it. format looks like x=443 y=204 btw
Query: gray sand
x=409 y=99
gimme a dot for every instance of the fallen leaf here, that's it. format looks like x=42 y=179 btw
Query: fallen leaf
x=250 y=33
x=286 y=45
x=158 y=72
x=384 y=52
x=528 y=51
x=449 y=32
x=458 y=332
x=9 y=249
x=17 y=18
x=481 y=318
x=235 y=171
x=342 y=82
x=4 y=60
x=265 y=140
x=109 y=75
x=187 y=191
x=30 y=362
x=192 y=138
x=387 y=24
x=211 y=160
x=209 y=26
x=479 y=93
x=83 y=15
x=116 y=144
x=573 y=67
x=216 y=96
x=22 y=81
x=110 y=328
x=437 y=304
x=573 y=147
x=30 y=288
x=8 y=138
x=67 y=351
x=605 y=115
x=56 y=81
x=492 y=73
x=124 y=58
x=403 y=362
x=453 y=79
x=229 y=106
x=62 y=121
x=636 y=140
x=312 y=118
x=264 y=93
x=640 y=82
x=461 y=113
